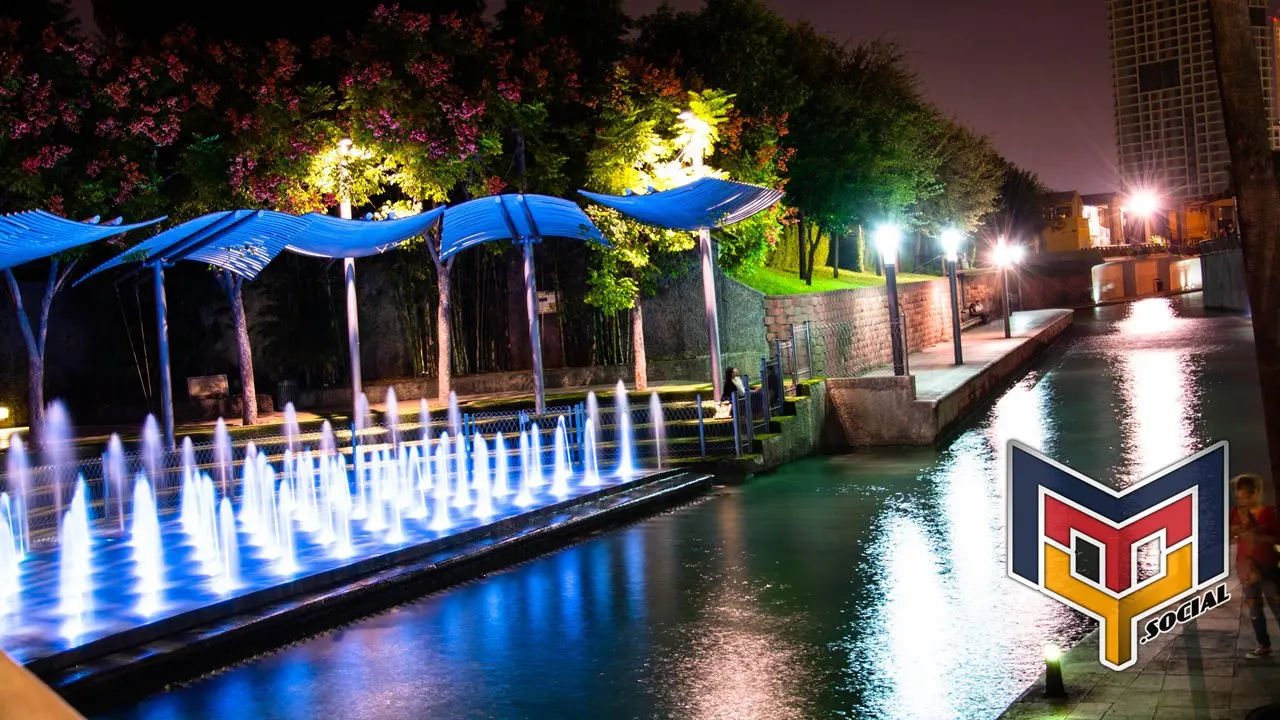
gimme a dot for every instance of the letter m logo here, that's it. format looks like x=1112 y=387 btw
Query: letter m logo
x=1054 y=510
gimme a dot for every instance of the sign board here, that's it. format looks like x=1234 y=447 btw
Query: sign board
x=547 y=303
x=207 y=386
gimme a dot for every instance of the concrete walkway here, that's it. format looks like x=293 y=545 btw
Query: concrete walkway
x=934 y=367
x=1199 y=671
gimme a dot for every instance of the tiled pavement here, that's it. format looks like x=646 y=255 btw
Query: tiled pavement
x=1199 y=671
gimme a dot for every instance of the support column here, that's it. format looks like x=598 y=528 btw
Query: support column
x=1004 y=284
x=353 y=338
x=535 y=332
x=713 y=315
x=896 y=338
x=166 y=376
x=955 y=311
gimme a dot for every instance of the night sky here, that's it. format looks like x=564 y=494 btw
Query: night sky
x=1034 y=75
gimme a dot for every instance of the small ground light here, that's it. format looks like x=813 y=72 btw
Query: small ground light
x=1053 y=687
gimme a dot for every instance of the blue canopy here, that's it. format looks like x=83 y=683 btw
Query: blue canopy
x=522 y=218
x=35 y=234
x=703 y=204
x=245 y=241
x=332 y=237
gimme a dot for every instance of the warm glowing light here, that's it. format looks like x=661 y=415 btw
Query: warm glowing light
x=887 y=239
x=1144 y=203
x=1005 y=254
x=1052 y=653
x=696 y=135
x=951 y=240
x=4 y=413
x=344 y=147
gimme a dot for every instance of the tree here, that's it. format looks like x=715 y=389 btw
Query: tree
x=84 y=133
x=419 y=89
x=970 y=174
x=1254 y=177
x=1020 y=212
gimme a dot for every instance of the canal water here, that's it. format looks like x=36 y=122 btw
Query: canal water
x=869 y=585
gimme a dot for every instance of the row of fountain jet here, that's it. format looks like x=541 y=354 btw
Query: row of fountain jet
x=266 y=523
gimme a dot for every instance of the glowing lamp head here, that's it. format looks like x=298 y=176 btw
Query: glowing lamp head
x=1002 y=255
x=1018 y=252
x=951 y=240
x=1052 y=653
x=4 y=413
x=888 y=237
x=1144 y=203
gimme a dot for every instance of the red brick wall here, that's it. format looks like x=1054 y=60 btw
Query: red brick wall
x=851 y=327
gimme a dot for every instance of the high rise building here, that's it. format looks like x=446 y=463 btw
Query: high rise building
x=1169 y=128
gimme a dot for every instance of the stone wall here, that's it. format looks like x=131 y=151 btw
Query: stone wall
x=1224 y=281
x=675 y=328
x=850 y=328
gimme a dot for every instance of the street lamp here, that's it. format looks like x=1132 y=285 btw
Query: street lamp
x=1005 y=256
x=887 y=239
x=1145 y=204
x=951 y=240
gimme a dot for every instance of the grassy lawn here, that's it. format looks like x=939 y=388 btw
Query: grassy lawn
x=777 y=282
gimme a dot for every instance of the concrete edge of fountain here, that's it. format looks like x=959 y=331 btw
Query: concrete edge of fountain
x=143 y=660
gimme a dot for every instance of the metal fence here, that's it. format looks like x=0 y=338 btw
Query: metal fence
x=794 y=355
x=845 y=349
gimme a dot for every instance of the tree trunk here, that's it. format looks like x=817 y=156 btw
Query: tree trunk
x=35 y=341
x=835 y=255
x=861 y=265
x=1258 y=196
x=801 y=230
x=444 y=334
x=232 y=284
x=813 y=251
x=640 y=361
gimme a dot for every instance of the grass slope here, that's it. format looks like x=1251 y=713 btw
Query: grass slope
x=776 y=282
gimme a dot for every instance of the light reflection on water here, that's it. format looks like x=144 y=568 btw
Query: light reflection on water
x=862 y=586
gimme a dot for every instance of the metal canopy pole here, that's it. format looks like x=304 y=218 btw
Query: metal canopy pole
x=353 y=326
x=166 y=378
x=535 y=334
x=709 y=300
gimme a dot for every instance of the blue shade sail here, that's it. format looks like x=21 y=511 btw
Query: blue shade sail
x=703 y=204
x=332 y=237
x=241 y=241
x=245 y=241
x=35 y=234
x=520 y=218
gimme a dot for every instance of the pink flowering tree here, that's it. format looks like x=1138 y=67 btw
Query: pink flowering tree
x=418 y=91
x=84 y=132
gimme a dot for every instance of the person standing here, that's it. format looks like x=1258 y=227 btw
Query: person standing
x=1256 y=530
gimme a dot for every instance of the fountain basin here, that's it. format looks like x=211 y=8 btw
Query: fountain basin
x=133 y=662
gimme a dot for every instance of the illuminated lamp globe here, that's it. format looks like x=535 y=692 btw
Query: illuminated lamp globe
x=888 y=237
x=951 y=240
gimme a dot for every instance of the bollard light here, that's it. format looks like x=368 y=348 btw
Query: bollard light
x=1053 y=686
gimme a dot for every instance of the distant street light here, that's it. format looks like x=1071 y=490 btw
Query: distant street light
x=1005 y=256
x=1145 y=204
x=887 y=239
x=951 y=240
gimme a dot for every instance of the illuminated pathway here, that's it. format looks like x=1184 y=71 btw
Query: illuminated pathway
x=863 y=586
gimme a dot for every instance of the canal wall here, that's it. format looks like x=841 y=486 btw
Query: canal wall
x=675 y=328
x=884 y=410
x=1225 y=287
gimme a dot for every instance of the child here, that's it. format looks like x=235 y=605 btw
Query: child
x=1256 y=531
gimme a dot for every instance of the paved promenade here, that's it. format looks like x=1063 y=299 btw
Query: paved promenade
x=934 y=367
x=1199 y=671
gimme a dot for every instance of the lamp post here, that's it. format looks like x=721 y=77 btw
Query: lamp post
x=951 y=240
x=349 y=273
x=887 y=239
x=1005 y=256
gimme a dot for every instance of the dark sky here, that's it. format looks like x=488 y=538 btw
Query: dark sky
x=1034 y=75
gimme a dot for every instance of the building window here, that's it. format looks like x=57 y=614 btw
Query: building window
x=1161 y=75
x=1258 y=16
